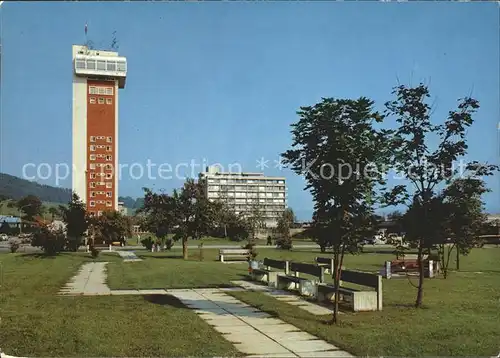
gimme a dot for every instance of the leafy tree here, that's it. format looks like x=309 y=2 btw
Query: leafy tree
x=5 y=228
x=464 y=217
x=339 y=152
x=284 y=224
x=111 y=226
x=193 y=213
x=31 y=206
x=255 y=218
x=159 y=214
x=238 y=227
x=425 y=167
x=54 y=212
x=395 y=215
x=74 y=216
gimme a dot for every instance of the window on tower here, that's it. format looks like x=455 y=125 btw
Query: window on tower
x=92 y=175
x=109 y=91
x=92 y=203
x=92 y=100
x=92 y=138
x=101 y=65
x=109 y=157
x=109 y=176
x=92 y=90
x=90 y=64
x=92 y=148
x=109 y=139
x=92 y=157
x=109 y=194
x=80 y=63
x=101 y=100
x=109 y=185
x=111 y=66
x=109 y=101
x=108 y=203
x=108 y=148
x=92 y=184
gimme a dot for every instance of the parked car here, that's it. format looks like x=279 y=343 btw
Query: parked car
x=4 y=237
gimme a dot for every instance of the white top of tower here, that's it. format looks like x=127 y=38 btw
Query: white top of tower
x=100 y=64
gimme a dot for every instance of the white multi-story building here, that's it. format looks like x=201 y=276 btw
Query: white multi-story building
x=246 y=193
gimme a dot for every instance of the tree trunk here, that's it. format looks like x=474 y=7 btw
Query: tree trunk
x=458 y=258
x=337 y=263
x=184 y=248
x=420 y=291
x=225 y=230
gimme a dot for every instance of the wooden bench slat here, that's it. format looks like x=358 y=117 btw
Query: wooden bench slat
x=275 y=263
x=307 y=269
x=360 y=278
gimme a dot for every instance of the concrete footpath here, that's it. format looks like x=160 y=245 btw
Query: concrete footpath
x=253 y=332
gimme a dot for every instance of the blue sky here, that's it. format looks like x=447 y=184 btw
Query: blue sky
x=221 y=81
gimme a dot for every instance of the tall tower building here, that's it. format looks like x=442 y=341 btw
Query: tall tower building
x=97 y=77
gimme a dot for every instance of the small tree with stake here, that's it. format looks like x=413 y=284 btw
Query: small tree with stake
x=465 y=218
x=427 y=168
x=339 y=152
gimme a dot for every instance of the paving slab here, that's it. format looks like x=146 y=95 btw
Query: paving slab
x=336 y=354
x=257 y=322
x=279 y=328
x=124 y=292
x=261 y=346
x=153 y=292
x=277 y=355
x=307 y=346
x=294 y=335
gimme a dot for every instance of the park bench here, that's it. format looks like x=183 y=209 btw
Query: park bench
x=357 y=299
x=410 y=265
x=267 y=275
x=306 y=286
x=326 y=262
x=235 y=254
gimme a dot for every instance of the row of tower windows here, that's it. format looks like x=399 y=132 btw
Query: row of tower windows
x=94 y=147
x=108 y=185
x=101 y=90
x=108 y=203
x=107 y=175
x=108 y=157
x=96 y=138
x=109 y=194
x=101 y=165
x=101 y=100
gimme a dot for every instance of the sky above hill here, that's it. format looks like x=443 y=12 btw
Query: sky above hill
x=220 y=82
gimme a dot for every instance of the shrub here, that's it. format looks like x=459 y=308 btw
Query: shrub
x=284 y=244
x=169 y=243
x=73 y=243
x=147 y=242
x=14 y=246
x=51 y=242
x=253 y=251
x=94 y=252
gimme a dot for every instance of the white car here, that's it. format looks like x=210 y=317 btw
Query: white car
x=4 y=237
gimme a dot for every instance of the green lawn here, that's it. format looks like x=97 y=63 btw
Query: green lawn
x=461 y=315
x=36 y=322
